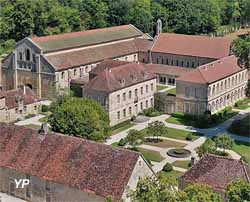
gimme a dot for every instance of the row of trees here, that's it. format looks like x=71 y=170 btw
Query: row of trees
x=150 y=190
x=22 y=18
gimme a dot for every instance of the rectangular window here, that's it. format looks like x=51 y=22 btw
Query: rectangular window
x=118 y=99
x=20 y=56
x=136 y=92
x=124 y=96
x=141 y=106
x=130 y=110
x=130 y=94
x=152 y=86
x=146 y=88
x=124 y=113
x=146 y=103
x=152 y=102
x=118 y=115
x=141 y=90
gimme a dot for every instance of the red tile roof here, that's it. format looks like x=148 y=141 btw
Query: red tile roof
x=216 y=171
x=167 y=69
x=143 y=45
x=86 y=38
x=213 y=71
x=28 y=98
x=92 y=55
x=75 y=162
x=192 y=45
x=119 y=77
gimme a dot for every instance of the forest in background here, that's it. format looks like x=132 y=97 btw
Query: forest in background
x=21 y=18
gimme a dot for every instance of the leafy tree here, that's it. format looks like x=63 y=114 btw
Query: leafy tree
x=156 y=129
x=241 y=48
x=224 y=141
x=206 y=147
x=109 y=199
x=134 y=138
x=201 y=193
x=238 y=191
x=80 y=117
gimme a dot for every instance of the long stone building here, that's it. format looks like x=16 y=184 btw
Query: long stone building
x=211 y=87
x=50 y=62
x=64 y=168
x=124 y=89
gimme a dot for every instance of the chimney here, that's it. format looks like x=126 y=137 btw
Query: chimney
x=44 y=130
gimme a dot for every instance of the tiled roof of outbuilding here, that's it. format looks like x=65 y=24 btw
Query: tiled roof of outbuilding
x=119 y=77
x=86 y=38
x=213 y=71
x=75 y=162
x=216 y=171
x=11 y=97
x=192 y=45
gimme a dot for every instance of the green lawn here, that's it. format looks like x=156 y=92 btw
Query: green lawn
x=44 y=119
x=242 y=148
x=122 y=128
x=172 y=91
x=178 y=134
x=160 y=87
x=150 y=154
x=242 y=104
x=173 y=174
x=166 y=144
x=182 y=164
x=32 y=126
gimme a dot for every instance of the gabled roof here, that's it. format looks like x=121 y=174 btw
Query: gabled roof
x=213 y=71
x=75 y=162
x=216 y=171
x=11 y=97
x=192 y=45
x=113 y=78
x=86 y=38
x=92 y=55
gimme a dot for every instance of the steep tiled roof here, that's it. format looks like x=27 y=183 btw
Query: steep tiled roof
x=118 y=77
x=216 y=171
x=190 y=45
x=75 y=162
x=167 y=69
x=86 y=38
x=11 y=97
x=213 y=71
x=143 y=45
x=92 y=55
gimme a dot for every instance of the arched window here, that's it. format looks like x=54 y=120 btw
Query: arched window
x=27 y=54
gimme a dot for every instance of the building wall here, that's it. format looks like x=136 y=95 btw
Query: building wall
x=121 y=109
x=39 y=190
x=179 y=60
x=141 y=170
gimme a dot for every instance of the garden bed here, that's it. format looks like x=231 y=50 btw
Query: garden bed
x=121 y=127
x=242 y=104
x=166 y=144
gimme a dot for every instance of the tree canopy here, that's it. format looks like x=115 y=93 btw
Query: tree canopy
x=238 y=191
x=22 y=18
x=80 y=117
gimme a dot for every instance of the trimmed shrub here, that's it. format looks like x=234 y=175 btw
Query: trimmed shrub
x=189 y=137
x=150 y=112
x=45 y=108
x=168 y=167
x=122 y=142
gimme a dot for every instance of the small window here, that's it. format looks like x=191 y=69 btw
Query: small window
x=136 y=92
x=130 y=94
x=62 y=75
x=152 y=102
x=126 y=58
x=152 y=86
x=124 y=113
x=75 y=72
x=167 y=61
x=141 y=106
x=27 y=54
x=146 y=88
x=146 y=103
x=16 y=110
x=130 y=110
x=20 y=56
x=124 y=96
x=118 y=115
x=141 y=90
x=118 y=99
x=25 y=108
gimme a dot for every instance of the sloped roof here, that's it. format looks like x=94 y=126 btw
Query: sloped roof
x=216 y=171
x=75 y=162
x=192 y=45
x=213 y=71
x=92 y=55
x=86 y=38
x=118 y=77
x=167 y=69
x=11 y=97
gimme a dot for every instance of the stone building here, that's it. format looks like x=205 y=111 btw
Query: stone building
x=65 y=168
x=16 y=104
x=50 y=62
x=123 y=88
x=188 y=50
x=211 y=87
x=215 y=171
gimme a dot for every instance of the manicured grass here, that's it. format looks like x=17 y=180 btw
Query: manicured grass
x=182 y=164
x=122 y=127
x=32 y=126
x=178 y=134
x=166 y=144
x=44 y=119
x=173 y=174
x=150 y=154
x=242 y=148
x=172 y=91
x=242 y=104
x=159 y=87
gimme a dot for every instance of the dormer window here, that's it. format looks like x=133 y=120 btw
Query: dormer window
x=27 y=54
x=122 y=82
